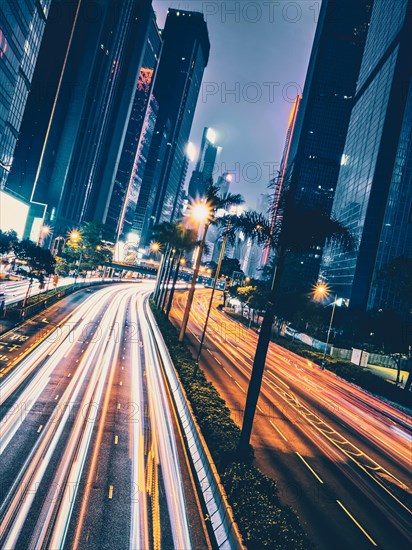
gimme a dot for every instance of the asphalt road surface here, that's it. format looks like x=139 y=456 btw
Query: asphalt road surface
x=90 y=453
x=341 y=457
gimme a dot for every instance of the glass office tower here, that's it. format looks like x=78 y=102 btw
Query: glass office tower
x=137 y=141
x=184 y=57
x=21 y=30
x=374 y=192
x=322 y=121
x=205 y=166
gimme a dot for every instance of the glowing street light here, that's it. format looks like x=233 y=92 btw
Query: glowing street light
x=200 y=211
x=155 y=247
x=74 y=235
x=322 y=290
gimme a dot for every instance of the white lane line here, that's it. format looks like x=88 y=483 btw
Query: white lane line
x=310 y=467
x=277 y=429
x=356 y=523
x=217 y=361
x=227 y=372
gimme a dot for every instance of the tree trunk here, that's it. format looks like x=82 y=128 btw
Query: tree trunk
x=160 y=275
x=191 y=292
x=172 y=291
x=167 y=281
x=409 y=379
x=398 y=368
x=259 y=361
x=163 y=274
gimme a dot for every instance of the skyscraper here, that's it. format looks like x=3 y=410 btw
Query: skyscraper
x=184 y=57
x=374 y=191
x=277 y=183
x=205 y=165
x=39 y=107
x=322 y=122
x=21 y=30
x=91 y=109
x=137 y=141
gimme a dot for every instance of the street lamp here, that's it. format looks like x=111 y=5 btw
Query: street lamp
x=75 y=237
x=322 y=290
x=202 y=213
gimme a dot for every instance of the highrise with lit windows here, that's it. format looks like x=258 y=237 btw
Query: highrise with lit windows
x=185 y=54
x=374 y=192
x=319 y=135
x=22 y=26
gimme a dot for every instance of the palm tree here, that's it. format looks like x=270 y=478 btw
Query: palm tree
x=176 y=240
x=253 y=226
x=295 y=229
x=187 y=242
x=213 y=201
x=164 y=235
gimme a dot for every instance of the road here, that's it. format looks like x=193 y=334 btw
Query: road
x=341 y=457
x=90 y=452
x=15 y=291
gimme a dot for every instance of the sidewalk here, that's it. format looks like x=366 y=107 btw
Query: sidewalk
x=388 y=374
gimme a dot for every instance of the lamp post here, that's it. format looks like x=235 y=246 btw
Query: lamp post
x=75 y=237
x=202 y=213
x=322 y=291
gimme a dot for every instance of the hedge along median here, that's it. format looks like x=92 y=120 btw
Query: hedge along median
x=263 y=521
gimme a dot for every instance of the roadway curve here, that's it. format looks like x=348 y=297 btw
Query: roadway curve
x=90 y=456
x=341 y=456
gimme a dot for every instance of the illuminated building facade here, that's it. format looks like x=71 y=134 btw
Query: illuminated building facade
x=315 y=150
x=185 y=54
x=137 y=142
x=374 y=191
x=21 y=30
x=87 y=126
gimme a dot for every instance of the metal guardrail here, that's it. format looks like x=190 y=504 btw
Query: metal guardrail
x=224 y=527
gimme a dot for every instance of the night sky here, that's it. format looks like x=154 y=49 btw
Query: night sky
x=260 y=49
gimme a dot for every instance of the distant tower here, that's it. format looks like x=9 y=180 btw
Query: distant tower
x=205 y=165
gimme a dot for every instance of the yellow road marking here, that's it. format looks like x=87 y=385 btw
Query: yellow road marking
x=310 y=467
x=277 y=429
x=356 y=523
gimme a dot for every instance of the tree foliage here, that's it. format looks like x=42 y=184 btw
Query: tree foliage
x=91 y=246
x=8 y=240
x=39 y=260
